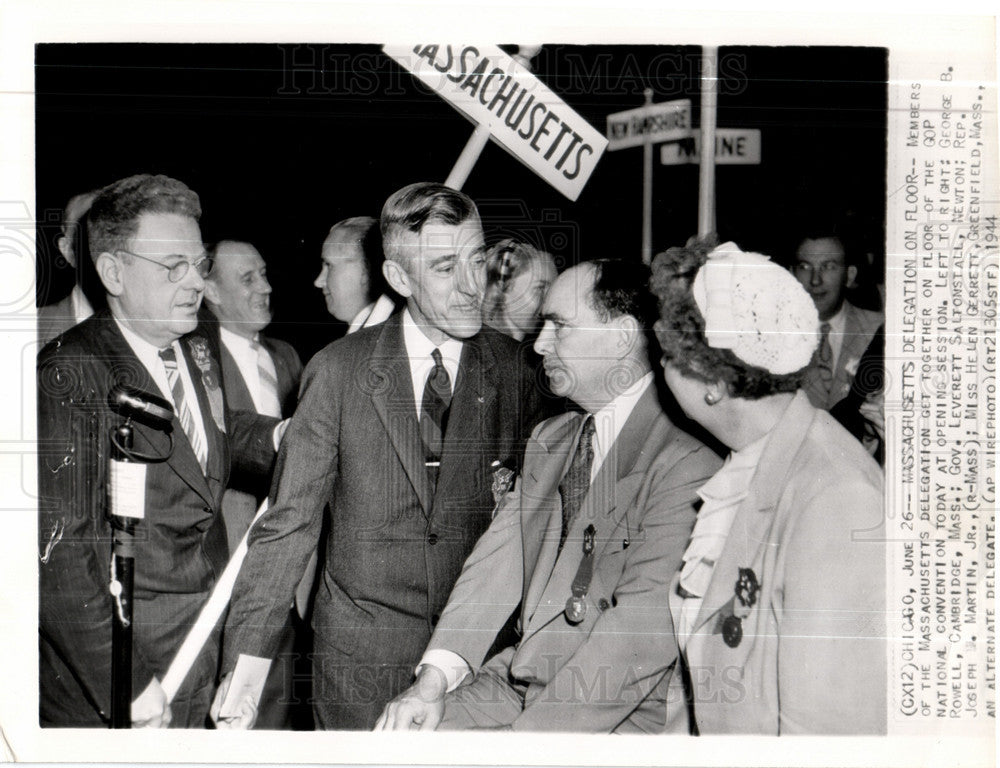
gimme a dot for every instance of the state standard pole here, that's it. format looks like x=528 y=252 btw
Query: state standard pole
x=647 y=190
x=481 y=136
x=709 y=103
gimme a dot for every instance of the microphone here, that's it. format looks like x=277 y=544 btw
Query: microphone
x=145 y=407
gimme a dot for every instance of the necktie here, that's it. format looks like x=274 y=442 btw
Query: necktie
x=824 y=359
x=269 y=404
x=576 y=481
x=434 y=414
x=184 y=413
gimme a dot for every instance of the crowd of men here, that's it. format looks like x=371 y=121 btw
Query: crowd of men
x=446 y=544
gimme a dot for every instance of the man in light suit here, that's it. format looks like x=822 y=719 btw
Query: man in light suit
x=587 y=543
x=823 y=268
x=399 y=431
x=351 y=277
x=260 y=374
x=62 y=315
x=146 y=244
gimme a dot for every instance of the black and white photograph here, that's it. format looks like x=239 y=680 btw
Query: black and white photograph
x=601 y=386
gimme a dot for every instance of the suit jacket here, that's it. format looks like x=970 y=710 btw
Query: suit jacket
x=641 y=504
x=247 y=490
x=180 y=544
x=812 y=656
x=395 y=547
x=54 y=319
x=860 y=326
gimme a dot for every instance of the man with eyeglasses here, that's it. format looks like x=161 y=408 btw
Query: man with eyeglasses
x=823 y=266
x=146 y=245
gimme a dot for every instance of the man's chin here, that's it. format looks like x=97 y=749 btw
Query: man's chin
x=465 y=330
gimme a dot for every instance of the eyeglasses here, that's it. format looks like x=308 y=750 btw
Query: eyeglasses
x=176 y=272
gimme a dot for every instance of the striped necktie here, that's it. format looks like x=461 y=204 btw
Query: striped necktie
x=183 y=408
x=269 y=404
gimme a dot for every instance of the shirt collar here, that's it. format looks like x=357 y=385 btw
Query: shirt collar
x=148 y=354
x=419 y=347
x=359 y=320
x=839 y=320
x=235 y=341
x=608 y=421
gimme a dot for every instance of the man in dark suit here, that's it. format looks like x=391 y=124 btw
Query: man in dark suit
x=146 y=244
x=62 y=315
x=400 y=430
x=260 y=374
x=587 y=543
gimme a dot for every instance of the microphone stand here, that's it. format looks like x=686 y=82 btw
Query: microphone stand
x=122 y=584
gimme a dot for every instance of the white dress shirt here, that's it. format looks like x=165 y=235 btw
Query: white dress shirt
x=245 y=357
x=838 y=324
x=81 y=307
x=149 y=356
x=375 y=313
x=608 y=423
x=418 y=351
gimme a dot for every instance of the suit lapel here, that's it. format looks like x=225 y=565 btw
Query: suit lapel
x=751 y=527
x=474 y=395
x=218 y=458
x=130 y=371
x=392 y=397
x=237 y=394
x=281 y=366
x=607 y=500
x=541 y=514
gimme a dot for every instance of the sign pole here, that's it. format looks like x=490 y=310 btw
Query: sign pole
x=709 y=102
x=647 y=190
x=481 y=136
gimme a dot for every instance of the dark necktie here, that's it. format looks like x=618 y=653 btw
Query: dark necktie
x=824 y=359
x=434 y=414
x=576 y=481
x=184 y=414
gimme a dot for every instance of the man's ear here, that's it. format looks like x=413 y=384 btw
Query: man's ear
x=629 y=334
x=397 y=278
x=852 y=275
x=109 y=269
x=66 y=249
x=212 y=292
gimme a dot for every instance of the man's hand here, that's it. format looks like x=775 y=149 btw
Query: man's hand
x=420 y=707
x=151 y=709
x=246 y=711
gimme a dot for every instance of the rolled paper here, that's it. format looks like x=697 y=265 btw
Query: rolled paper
x=210 y=614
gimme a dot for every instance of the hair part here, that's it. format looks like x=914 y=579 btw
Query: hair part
x=681 y=332
x=114 y=215
x=411 y=208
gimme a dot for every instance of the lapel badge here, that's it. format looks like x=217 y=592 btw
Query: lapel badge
x=747 y=588
x=576 y=604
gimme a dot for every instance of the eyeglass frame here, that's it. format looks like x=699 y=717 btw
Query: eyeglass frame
x=181 y=268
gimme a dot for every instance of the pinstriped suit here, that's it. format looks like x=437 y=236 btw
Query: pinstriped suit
x=395 y=547
x=181 y=542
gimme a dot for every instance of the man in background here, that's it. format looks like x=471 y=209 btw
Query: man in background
x=351 y=278
x=62 y=315
x=826 y=270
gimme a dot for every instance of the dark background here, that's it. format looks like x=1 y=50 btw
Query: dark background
x=282 y=141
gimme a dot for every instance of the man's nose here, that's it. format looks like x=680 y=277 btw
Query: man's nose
x=471 y=280
x=264 y=286
x=544 y=341
x=816 y=276
x=320 y=281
